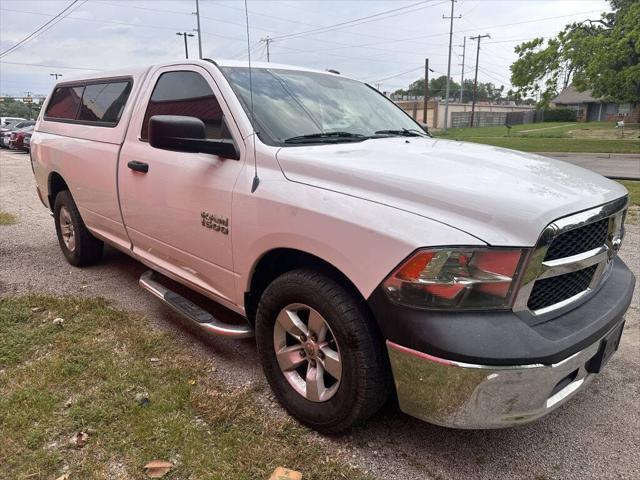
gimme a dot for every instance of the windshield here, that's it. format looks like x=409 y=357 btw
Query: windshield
x=292 y=106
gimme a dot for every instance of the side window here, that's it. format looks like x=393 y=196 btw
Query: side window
x=104 y=102
x=64 y=103
x=188 y=94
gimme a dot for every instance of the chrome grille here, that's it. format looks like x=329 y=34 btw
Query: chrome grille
x=550 y=291
x=579 y=240
x=570 y=260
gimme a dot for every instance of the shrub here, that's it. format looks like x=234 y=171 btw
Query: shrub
x=559 y=115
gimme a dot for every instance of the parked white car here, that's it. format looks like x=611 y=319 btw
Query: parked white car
x=7 y=120
x=479 y=285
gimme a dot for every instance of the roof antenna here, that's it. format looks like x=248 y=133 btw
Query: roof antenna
x=256 y=180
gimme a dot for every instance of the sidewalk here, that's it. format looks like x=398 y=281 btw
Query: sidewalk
x=625 y=166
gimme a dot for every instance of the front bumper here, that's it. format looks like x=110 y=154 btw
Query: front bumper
x=462 y=395
x=493 y=369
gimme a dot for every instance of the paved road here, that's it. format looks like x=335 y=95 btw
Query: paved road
x=595 y=436
x=615 y=165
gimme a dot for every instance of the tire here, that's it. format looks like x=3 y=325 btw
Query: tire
x=78 y=245
x=364 y=382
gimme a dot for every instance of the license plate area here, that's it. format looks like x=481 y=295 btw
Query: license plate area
x=608 y=347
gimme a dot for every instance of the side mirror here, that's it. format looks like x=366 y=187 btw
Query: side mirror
x=187 y=134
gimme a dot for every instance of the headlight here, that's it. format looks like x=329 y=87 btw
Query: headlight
x=456 y=278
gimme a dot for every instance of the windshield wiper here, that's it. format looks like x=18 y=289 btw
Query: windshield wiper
x=326 y=137
x=405 y=132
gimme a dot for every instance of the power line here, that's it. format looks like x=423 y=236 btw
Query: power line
x=46 y=26
x=142 y=8
x=114 y=22
x=261 y=14
x=420 y=37
x=395 y=75
x=355 y=20
x=51 y=66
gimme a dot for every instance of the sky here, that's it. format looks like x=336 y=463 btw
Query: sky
x=387 y=47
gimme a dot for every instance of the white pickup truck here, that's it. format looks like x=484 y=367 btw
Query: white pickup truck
x=479 y=285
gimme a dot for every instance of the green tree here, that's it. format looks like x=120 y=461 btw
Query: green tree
x=486 y=92
x=10 y=107
x=598 y=55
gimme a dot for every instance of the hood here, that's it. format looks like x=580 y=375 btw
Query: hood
x=503 y=197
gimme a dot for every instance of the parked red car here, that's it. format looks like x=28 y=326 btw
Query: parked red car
x=16 y=141
x=26 y=143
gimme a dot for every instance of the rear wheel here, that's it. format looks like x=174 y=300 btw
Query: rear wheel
x=320 y=351
x=79 y=247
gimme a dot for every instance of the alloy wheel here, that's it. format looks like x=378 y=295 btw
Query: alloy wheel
x=307 y=352
x=66 y=229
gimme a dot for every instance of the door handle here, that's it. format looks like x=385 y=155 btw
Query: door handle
x=138 y=166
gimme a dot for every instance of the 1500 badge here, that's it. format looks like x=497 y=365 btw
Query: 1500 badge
x=215 y=223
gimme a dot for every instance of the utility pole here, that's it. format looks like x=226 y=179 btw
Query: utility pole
x=267 y=41
x=186 y=47
x=197 y=13
x=446 y=101
x=426 y=90
x=464 y=49
x=475 y=80
x=29 y=100
x=56 y=75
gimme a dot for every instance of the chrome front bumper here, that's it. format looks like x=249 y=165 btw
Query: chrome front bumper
x=462 y=395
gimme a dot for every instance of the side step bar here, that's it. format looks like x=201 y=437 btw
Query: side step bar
x=192 y=311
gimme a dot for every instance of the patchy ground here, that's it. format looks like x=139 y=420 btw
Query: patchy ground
x=594 y=436
x=7 y=218
x=91 y=391
x=592 y=137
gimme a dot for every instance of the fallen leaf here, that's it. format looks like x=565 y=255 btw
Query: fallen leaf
x=63 y=477
x=79 y=440
x=282 y=473
x=157 y=468
x=58 y=321
x=36 y=309
x=192 y=382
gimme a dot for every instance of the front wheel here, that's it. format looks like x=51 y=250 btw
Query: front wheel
x=320 y=351
x=79 y=247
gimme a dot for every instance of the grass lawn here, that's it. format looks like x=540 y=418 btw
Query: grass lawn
x=7 y=218
x=633 y=214
x=634 y=190
x=593 y=137
x=85 y=374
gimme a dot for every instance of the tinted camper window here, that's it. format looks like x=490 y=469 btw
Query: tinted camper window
x=92 y=102
x=65 y=102
x=104 y=102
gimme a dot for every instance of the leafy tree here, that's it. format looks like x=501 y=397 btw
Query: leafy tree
x=438 y=87
x=10 y=107
x=598 y=55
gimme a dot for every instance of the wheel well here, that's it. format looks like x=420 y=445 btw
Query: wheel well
x=281 y=260
x=56 y=185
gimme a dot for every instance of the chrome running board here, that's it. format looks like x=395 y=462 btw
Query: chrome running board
x=192 y=311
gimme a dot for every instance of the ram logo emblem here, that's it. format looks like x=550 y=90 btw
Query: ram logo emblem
x=215 y=223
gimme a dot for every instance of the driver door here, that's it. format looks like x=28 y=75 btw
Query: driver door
x=178 y=213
